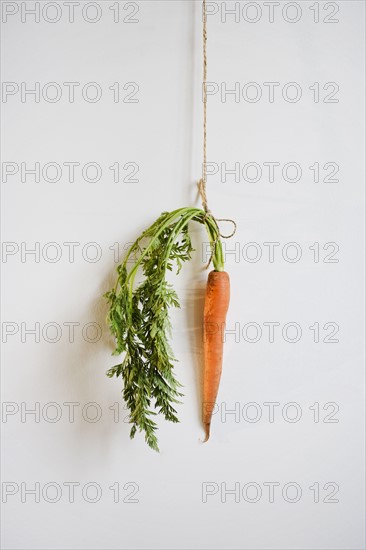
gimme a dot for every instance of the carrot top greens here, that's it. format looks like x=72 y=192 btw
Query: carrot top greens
x=139 y=317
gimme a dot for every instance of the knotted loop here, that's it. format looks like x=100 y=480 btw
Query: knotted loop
x=228 y=220
x=203 y=194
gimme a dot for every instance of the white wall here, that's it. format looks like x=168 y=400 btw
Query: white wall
x=161 y=132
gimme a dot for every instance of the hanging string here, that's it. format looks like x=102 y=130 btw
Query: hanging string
x=203 y=181
x=202 y=184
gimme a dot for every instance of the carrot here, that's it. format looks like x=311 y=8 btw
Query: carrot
x=216 y=306
x=139 y=319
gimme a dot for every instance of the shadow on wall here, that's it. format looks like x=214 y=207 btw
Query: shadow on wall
x=99 y=414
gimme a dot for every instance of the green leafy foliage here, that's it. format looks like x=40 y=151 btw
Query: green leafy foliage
x=139 y=318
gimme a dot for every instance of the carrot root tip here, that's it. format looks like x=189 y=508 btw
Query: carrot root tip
x=207 y=437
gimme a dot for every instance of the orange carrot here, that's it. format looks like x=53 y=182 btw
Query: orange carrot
x=216 y=306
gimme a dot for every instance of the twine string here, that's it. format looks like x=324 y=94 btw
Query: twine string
x=204 y=42
x=202 y=184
